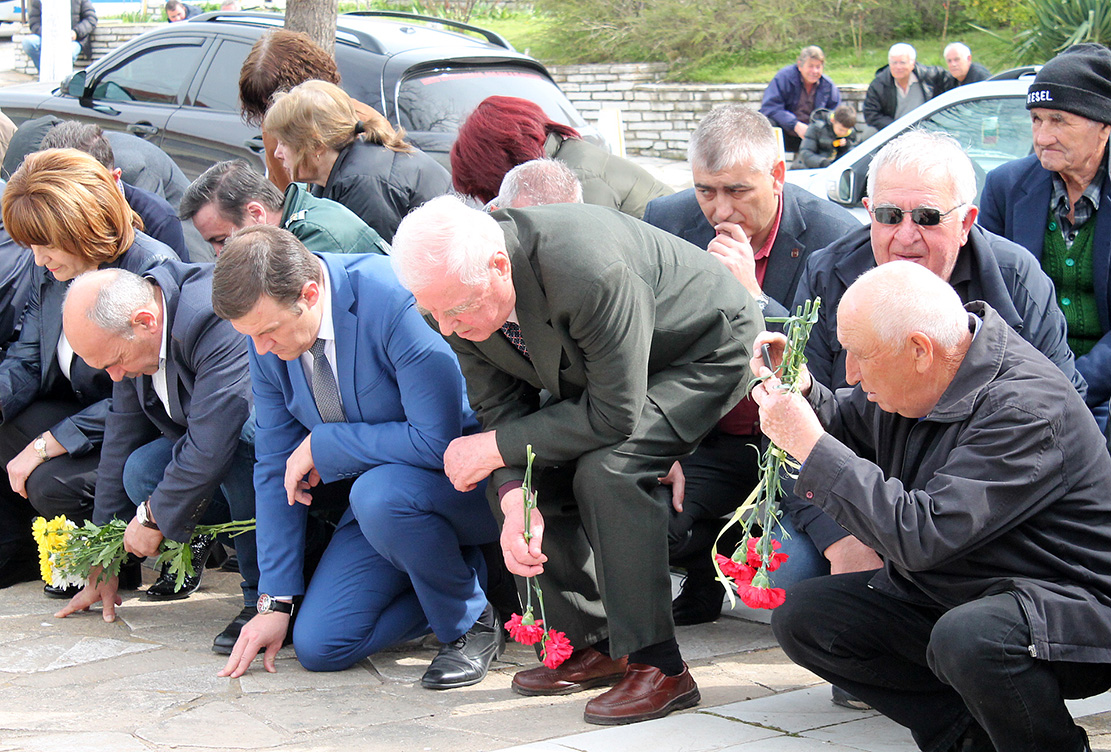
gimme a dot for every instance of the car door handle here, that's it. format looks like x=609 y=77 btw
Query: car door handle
x=142 y=129
x=255 y=144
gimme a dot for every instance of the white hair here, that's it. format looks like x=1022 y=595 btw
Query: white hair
x=731 y=135
x=539 y=182
x=905 y=298
x=934 y=157
x=445 y=236
x=900 y=49
x=960 y=47
x=117 y=300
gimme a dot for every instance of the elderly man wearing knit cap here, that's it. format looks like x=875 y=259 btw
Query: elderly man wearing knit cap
x=1057 y=203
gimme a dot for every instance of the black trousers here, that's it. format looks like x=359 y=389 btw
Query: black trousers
x=937 y=671
x=720 y=474
x=62 y=485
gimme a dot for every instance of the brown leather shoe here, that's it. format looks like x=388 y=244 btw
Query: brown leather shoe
x=644 y=693
x=585 y=668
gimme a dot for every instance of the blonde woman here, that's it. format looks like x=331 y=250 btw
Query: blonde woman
x=361 y=165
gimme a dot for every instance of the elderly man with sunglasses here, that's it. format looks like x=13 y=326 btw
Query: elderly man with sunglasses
x=921 y=187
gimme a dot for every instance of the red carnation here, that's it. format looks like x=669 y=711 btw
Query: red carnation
x=760 y=597
x=740 y=573
x=557 y=648
x=774 y=559
x=525 y=630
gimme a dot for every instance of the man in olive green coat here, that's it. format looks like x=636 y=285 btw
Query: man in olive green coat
x=612 y=348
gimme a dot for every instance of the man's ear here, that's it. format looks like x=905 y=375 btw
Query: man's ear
x=922 y=349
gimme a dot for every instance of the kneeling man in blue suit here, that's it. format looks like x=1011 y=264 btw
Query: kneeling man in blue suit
x=355 y=397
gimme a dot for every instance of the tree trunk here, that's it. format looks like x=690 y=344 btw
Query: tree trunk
x=317 y=18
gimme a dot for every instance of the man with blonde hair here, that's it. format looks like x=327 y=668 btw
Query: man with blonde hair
x=967 y=462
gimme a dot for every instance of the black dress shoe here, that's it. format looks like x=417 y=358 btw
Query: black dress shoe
x=699 y=601
x=51 y=591
x=466 y=660
x=18 y=564
x=225 y=641
x=164 y=588
x=131 y=574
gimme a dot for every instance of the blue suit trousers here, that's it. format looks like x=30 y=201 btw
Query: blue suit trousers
x=404 y=560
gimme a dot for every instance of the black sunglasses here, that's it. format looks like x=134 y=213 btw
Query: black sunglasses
x=924 y=216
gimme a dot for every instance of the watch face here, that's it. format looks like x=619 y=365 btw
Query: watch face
x=265 y=604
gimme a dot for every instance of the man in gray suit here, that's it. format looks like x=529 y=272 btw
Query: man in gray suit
x=612 y=348
x=174 y=434
x=743 y=212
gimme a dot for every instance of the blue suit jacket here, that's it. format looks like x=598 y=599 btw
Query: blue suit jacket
x=402 y=393
x=209 y=389
x=1015 y=204
x=808 y=223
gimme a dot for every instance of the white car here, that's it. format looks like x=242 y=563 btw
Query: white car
x=11 y=15
x=989 y=119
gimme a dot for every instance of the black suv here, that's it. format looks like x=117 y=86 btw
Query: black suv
x=178 y=86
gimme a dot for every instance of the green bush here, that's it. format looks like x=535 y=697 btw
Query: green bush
x=1058 y=24
x=999 y=13
x=696 y=33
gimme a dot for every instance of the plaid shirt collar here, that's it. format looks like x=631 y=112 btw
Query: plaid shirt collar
x=1085 y=206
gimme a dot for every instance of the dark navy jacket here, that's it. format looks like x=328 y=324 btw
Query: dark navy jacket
x=159 y=218
x=1015 y=204
x=782 y=95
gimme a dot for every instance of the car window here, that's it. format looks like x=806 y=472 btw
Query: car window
x=220 y=89
x=439 y=101
x=158 y=75
x=992 y=131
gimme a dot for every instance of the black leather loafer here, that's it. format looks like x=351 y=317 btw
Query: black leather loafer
x=225 y=641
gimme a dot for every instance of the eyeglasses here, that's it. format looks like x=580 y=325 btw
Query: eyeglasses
x=922 y=215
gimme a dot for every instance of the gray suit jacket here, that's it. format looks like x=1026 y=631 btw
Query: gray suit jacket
x=614 y=312
x=209 y=387
x=808 y=223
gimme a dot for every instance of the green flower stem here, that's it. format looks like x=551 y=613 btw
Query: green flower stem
x=762 y=505
x=530 y=504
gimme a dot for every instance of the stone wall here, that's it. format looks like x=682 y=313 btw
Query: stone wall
x=108 y=36
x=657 y=117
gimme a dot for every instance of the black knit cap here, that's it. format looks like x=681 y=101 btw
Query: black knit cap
x=1077 y=81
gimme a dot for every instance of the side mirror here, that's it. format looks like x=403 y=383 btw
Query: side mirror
x=844 y=192
x=74 y=86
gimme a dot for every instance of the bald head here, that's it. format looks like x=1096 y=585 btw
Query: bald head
x=113 y=321
x=905 y=333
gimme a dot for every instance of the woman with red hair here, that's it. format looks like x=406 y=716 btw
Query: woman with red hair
x=504 y=132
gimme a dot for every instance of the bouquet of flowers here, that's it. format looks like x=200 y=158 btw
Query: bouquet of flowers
x=68 y=553
x=747 y=569
x=526 y=629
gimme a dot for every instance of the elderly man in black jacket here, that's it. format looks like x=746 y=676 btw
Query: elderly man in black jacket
x=968 y=462
x=900 y=86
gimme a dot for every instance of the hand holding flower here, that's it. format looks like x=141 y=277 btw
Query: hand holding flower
x=522 y=553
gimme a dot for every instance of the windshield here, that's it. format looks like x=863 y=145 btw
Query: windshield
x=440 y=100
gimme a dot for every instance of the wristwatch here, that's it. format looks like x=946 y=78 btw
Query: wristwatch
x=142 y=514
x=268 y=604
x=39 y=445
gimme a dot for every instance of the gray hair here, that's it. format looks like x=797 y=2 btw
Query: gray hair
x=936 y=157
x=813 y=52
x=445 y=236
x=117 y=300
x=960 y=47
x=900 y=49
x=261 y=260
x=539 y=182
x=905 y=298
x=730 y=135
x=229 y=186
